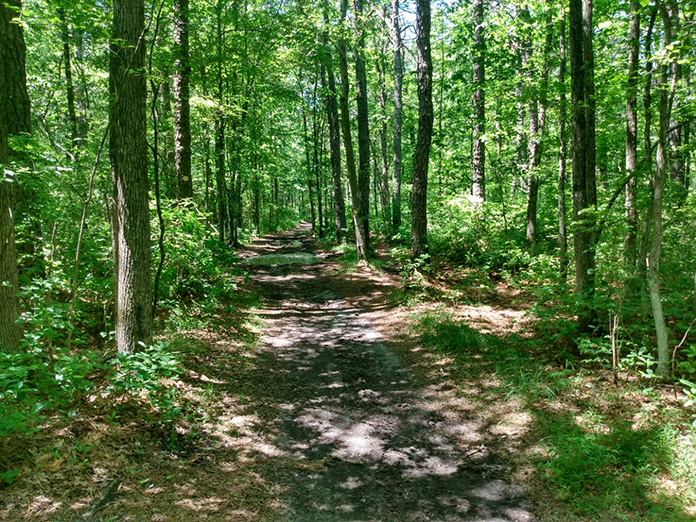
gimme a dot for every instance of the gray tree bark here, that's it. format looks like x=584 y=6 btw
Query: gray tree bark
x=356 y=211
x=562 y=154
x=10 y=332
x=478 y=158
x=128 y=152
x=582 y=199
x=666 y=88
x=398 y=116
x=363 y=120
x=631 y=210
x=182 y=95
x=419 y=225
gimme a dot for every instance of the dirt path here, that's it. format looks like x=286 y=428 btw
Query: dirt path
x=379 y=445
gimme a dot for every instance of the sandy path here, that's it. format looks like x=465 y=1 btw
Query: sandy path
x=383 y=449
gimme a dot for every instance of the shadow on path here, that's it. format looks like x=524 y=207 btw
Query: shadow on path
x=383 y=449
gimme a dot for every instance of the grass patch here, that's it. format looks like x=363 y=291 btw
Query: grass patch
x=598 y=452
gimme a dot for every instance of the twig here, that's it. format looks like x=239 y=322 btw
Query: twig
x=80 y=236
x=674 y=353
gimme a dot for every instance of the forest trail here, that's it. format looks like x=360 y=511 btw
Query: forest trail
x=376 y=444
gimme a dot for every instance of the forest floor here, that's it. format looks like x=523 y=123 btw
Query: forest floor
x=328 y=397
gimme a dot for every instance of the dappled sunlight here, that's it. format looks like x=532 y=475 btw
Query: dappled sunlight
x=390 y=448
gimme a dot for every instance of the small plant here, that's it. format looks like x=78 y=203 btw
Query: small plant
x=141 y=375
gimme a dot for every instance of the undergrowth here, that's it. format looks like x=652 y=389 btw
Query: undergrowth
x=600 y=452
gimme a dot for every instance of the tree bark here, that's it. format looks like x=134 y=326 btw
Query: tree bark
x=10 y=332
x=398 y=115
x=18 y=107
x=335 y=153
x=363 y=120
x=69 y=86
x=360 y=244
x=631 y=210
x=419 y=225
x=582 y=201
x=537 y=122
x=663 y=354
x=383 y=177
x=128 y=153
x=562 y=154
x=478 y=158
x=182 y=111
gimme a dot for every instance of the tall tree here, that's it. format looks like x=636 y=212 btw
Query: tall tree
x=538 y=104
x=10 y=332
x=632 y=135
x=128 y=152
x=419 y=225
x=668 y=14
x=478 y=158
x=363 y=120
x=562 y=152
x=182 y=111
x=582 y=198
x=356 y=212
x=18 y=113
x=398 y=116
x=331 y=98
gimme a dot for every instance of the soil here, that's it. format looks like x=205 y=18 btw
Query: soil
x=389 y=447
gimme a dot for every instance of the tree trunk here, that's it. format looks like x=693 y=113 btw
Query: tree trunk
x=419 y=225
x=363 y=121
x=582 y=238
x=478 y=158
x=631 y=210
x=335 y=152
x=182 y=112
x=562 y=154
x=360 y=244
x=10 y=332
x=128 y=153
x=384 y=170
x=663 y=354
x=18 y=107
x=69 y=86
x=537 y=123
x=398 y=113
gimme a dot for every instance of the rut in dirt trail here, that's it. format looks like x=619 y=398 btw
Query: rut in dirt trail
x=347 y=401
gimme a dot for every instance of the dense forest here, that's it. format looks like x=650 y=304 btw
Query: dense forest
x=539 y=145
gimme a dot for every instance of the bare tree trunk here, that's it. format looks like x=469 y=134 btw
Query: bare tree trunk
x=663 y=354
x=182 y=111
x=363 y=121
x=128 y=152
x=398 y=112
x=419 y=225
x=384 y=170
x=537 y=123
x=316 y=142
x=632 y=136
x=360 y=244
x=582 y=238
x=644 y=246
x=18 y=113
x=562 y=155
x=478 y=158
x=10 y=333
x=69 y=86
x=335 y=153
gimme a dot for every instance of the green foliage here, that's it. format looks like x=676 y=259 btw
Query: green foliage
x=599 y=466
x=147 y=375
